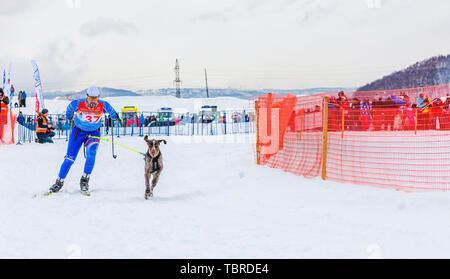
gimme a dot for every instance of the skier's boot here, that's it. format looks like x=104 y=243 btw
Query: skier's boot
x=57 y=186
x=84 y=184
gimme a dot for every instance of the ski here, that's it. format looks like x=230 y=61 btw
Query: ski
x=47 y=193
x=42 y=194
x=86 y=193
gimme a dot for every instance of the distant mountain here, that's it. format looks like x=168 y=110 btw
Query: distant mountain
x=237 y=93
x=191 y=92
x=106 y=92
x=433 y=71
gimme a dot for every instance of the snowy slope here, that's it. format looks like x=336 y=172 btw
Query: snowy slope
x=212 y=202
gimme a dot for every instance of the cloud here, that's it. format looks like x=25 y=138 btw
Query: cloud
x=216 y=16
x=100 y=26
x=62 y=62
x=232 y=11
x=309 y=9
x=11 y=8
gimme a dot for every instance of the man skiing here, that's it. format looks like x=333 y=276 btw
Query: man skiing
x=88 y=113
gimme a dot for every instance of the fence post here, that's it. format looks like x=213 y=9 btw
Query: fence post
x=193 y=125
x=225 y=121
x=118 y=130
x=301 y=123
x=19 y=132
x=202 y=123
x=258 y=156
x=343 y=122
x=324 y=138
x=415 y=122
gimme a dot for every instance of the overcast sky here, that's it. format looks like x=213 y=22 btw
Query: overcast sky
x=248 y=44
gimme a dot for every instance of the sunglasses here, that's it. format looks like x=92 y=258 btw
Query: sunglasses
x=92 y=98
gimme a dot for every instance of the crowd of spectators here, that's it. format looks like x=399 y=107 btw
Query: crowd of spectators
x=388 y=113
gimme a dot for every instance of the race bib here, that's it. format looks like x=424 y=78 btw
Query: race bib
x=89 y=117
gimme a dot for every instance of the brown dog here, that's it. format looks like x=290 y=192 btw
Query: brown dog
x=153 y=165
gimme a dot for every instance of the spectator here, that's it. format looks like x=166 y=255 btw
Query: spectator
x=333 y=114
x=44 y=130
x=355 y=114
x=20 y=99
x=377 y=114
x=12 y=94
x=447 y=102
x=137 y=121
x=366 y=114
x=423 y=114
x=407 y=114
x=436 y=113
x=141 y=120
x=21 y=118
x=344 y=107
x=24 y=98
x=390 y=111
x=445 y=125
x=108 y=123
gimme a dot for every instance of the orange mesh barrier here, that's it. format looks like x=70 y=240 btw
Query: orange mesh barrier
x=301 y=148
x=7 y=122
x=396 y=138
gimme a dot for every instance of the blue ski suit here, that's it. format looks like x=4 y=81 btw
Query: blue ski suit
x=87 y=123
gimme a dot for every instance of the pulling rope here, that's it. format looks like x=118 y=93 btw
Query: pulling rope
x=143 y=154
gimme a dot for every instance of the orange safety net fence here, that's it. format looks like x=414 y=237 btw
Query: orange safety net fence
x=295 y=144
x=394 y=138
x=7 y=123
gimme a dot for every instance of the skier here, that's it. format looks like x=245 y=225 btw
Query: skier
x=88 y=113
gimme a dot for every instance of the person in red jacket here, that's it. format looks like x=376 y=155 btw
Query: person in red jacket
x=344 y=107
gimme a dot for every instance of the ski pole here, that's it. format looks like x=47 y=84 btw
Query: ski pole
x=112 y=136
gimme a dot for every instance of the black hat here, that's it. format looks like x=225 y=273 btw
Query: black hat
x=44 y=111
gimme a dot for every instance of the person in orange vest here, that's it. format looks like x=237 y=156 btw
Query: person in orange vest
x=44 y=131
x=4 y=101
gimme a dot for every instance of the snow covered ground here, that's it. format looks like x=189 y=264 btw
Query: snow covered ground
x=212 y=201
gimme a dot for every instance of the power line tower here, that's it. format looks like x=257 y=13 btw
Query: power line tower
x=206 y=79
x=177 y=80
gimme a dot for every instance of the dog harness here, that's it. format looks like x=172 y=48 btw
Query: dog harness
x=154 y=161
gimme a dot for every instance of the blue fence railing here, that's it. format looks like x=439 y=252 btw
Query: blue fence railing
x=149 y=123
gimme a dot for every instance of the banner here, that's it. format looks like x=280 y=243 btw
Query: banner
x=38 y=87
